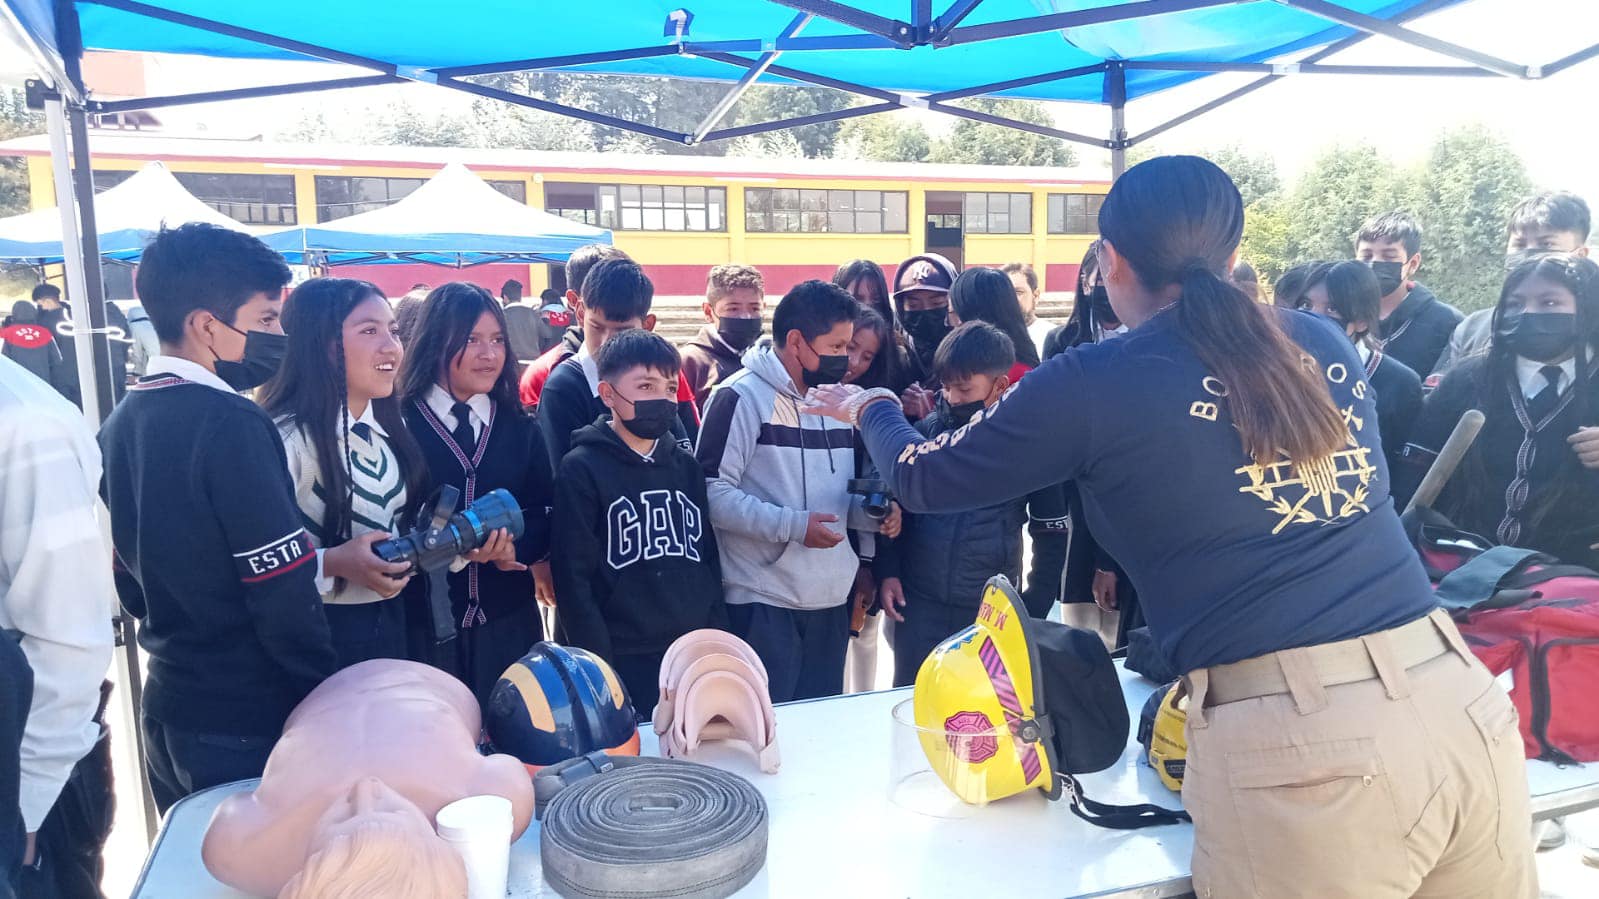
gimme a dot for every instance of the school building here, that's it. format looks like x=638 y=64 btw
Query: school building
x=677 y=215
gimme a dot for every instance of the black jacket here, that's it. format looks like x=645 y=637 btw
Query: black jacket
x=946 y=558
x=634 y=559
x=707 y=362
x=212 y=558
x=1418 y=330
x=1398 y=391
x=513 y=459
x=1558 y=515
x=568 y=404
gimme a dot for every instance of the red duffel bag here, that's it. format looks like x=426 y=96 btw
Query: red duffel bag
x=1535 y=624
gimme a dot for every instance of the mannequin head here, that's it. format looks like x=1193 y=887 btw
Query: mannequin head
x=375 y=844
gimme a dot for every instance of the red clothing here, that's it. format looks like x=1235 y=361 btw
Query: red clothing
x=532 y=383
x=1017 y=370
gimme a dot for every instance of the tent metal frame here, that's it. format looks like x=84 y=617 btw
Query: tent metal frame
x=67 y=107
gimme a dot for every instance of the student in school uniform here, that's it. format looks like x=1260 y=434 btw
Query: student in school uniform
x=1347 y=293
x=355 y=466
x=458 y=385
x=1530 y=477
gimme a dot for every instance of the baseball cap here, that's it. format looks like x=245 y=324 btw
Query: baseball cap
x=928 y=271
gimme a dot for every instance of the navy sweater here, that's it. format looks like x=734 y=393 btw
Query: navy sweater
x=509 y=455
x=212 y=558
x=1230 y=559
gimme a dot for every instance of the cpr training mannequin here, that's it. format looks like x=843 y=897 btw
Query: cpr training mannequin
x=364 y=764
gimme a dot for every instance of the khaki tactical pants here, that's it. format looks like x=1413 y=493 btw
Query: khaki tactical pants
x=1385 y=766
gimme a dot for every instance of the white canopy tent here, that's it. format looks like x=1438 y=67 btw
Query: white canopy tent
x=126 y=217
x=455 y=219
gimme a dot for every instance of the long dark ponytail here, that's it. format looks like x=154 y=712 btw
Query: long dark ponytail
x=1178 y=220
x=311 y=391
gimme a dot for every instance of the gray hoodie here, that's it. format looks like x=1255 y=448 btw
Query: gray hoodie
x=767 y=467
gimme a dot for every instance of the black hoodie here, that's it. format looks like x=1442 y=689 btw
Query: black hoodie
x=634 y=558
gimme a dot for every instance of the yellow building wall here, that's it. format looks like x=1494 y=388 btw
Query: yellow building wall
x=661 y=248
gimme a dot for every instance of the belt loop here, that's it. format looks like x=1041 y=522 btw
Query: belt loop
x=1299 y=670
x=1381 y=649
x=1196 y=684
x=1451 y=634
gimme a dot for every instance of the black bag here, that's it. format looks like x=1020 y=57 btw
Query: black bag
x=1082 y=697
x=1146 y=658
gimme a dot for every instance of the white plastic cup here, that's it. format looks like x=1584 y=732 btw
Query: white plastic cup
x=479 y=827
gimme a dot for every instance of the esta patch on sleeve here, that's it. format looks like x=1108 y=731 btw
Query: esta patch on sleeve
x=278 y=557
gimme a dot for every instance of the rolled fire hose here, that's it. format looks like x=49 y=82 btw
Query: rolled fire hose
x=645 y=828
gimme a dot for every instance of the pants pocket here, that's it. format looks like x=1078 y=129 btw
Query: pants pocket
x=1497 y=723
x=1317 y=819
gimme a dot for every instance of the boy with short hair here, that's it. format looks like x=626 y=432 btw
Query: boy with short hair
x=1547 y=223
x=616 y=298
x=734 y=295
x=1416 y=325
x=635 y=559
x=531 y=386
x=212 y=556
x=778 y=478
x=933 y=573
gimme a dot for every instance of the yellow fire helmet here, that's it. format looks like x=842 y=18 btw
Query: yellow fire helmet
x=978 y=705
x=1160 y=730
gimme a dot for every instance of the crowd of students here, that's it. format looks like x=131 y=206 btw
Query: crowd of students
x=666 y=489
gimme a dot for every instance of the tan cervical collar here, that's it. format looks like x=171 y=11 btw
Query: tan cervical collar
x=713 y=687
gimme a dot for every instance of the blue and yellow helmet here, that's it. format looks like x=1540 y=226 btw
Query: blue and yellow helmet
x=560 y=702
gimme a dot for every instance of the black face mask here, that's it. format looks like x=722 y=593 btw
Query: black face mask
x=1389 y=275
x=1540 y=336
x=1099 y=303
x=959 y=415
x=828 y=370
x=738 y=333
x=651 y=418
x=927 y=328
x=263 y=356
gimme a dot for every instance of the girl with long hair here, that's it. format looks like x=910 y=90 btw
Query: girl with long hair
x=865 y=281
x=354 y=465
x=986 y=295
x=1228 y=458
x=460 y=400
x=1528 y=480
x=1092 y=318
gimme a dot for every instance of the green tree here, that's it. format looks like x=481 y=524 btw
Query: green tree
x=1266 y=240
x=775 y=102
x=1255 y=174
x=1462 y=197
x=885 y=137
x=1345 y=186
x=16 y=120
x=985 y=144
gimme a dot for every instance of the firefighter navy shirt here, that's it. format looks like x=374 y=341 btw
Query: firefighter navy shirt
x=1231 y=558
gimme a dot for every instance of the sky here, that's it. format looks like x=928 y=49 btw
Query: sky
x=1551 y=122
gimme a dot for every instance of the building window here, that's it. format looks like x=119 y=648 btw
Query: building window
x=339 y=196
x=792 y=210
x=1074 y=213
x=999 y=213
x=516 y=190
x=104 y=181
x=250 y=199
x=640 y=207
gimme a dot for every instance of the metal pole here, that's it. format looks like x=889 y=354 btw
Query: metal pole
x=729 y=99
x=1116 y=96
x=72 y=257
x=92 y=288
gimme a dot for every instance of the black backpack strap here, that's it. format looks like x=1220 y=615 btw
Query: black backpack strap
x=1119 y=817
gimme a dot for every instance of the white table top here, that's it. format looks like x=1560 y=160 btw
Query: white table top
x=834 y=831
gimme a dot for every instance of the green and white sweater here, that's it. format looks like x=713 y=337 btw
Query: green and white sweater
x=378 y=498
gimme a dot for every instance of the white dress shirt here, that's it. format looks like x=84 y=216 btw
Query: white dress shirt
x=55 y=577
x=442 y=402
x=1530 y=373
x=188 y=371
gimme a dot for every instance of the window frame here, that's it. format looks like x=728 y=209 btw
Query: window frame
x=1060 y=218
x=810 y=210
x=651 y=208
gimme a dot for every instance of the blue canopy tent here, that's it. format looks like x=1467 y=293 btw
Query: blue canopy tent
x=455 y=219
x=891 y=54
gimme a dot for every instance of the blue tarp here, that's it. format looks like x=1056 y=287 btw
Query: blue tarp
x=420 y=35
